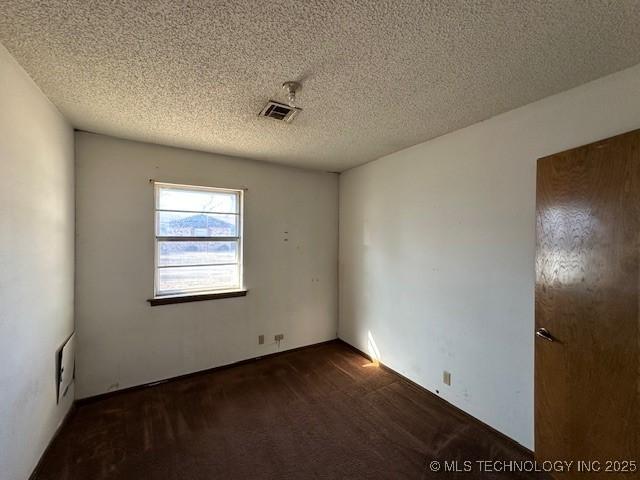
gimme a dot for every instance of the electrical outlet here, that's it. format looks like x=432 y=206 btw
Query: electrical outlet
x=279 y=337
x=446 y=378
x=260 y=339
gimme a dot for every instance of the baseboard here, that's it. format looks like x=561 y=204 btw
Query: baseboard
x=64 y=421
x=446 y=404
x=449 y=405
x=101 y=396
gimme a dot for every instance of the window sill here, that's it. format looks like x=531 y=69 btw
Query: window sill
x=198 y=297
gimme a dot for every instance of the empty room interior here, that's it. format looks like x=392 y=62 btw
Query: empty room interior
x=278 y=239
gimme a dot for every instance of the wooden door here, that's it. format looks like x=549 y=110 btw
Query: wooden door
x=587 y=361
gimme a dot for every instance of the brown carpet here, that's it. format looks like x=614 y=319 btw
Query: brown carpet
x=322 y=412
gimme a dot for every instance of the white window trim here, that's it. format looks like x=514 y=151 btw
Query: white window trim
x=239 y=239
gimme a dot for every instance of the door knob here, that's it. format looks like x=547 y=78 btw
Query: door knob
x=544 y=333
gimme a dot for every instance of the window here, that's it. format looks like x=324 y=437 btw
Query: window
x=198 y=240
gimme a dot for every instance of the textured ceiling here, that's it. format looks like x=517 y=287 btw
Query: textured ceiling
x=377 y=75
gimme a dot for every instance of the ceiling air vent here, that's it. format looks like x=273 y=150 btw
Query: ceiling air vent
x=279 y=111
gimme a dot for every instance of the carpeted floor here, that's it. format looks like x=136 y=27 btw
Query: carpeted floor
x=322 y=412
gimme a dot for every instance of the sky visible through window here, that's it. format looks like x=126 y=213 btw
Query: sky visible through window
x=209 y=258
x=197 y=201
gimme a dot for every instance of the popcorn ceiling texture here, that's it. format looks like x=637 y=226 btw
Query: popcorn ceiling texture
x=377 y=75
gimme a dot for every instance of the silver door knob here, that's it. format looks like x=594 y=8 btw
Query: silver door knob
x=544 y=333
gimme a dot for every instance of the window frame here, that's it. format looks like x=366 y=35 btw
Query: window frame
x=204 y=294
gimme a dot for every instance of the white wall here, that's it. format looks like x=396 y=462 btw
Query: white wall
x=36 y=266
x=437 y=249
x=292 y=285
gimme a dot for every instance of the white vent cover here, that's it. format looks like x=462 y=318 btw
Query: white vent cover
x=66 y=366
x=279 y=111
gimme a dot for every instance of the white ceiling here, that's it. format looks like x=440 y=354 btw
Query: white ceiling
x=377 y=75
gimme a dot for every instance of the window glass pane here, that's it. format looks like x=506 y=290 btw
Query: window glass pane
x=180 y=224
x=193 y=279
x=197 y=200
x=196 y=253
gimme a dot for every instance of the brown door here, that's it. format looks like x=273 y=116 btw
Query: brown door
x=587 y=361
